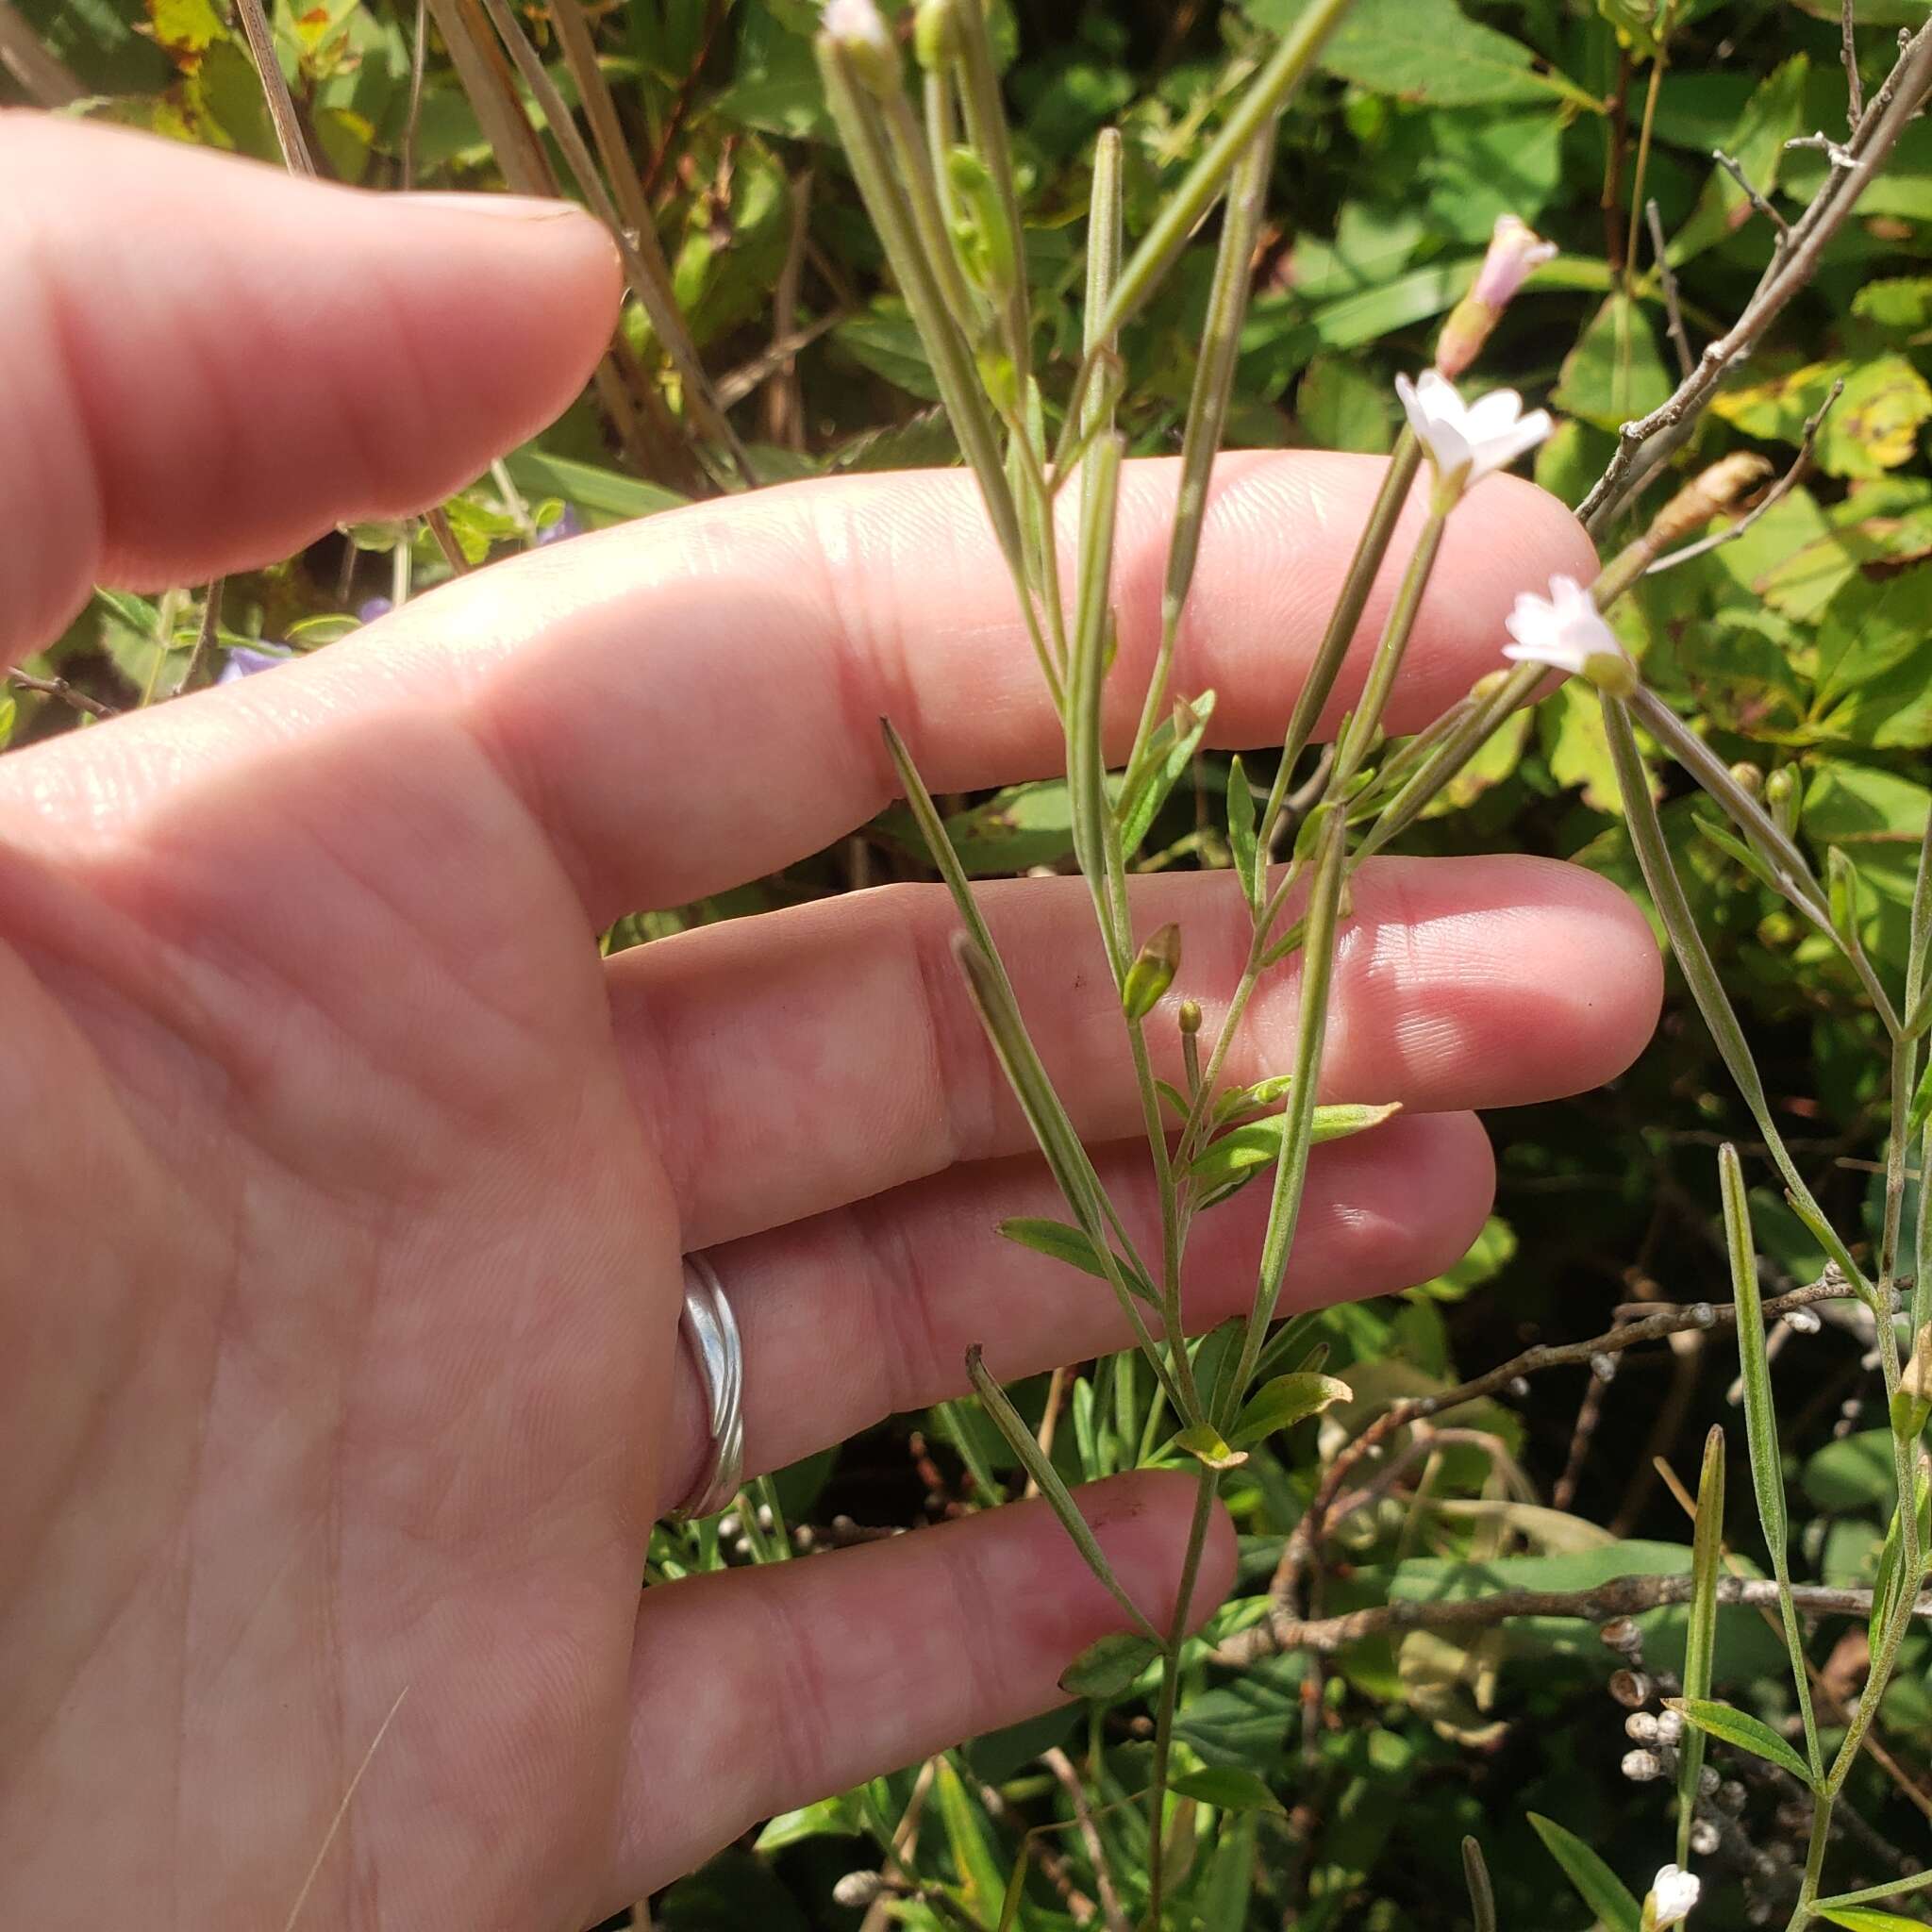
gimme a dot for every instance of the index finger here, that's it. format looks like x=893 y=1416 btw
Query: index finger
x=722 y=669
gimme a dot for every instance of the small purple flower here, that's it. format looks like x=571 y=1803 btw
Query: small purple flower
x=374 y=608
x=245 y=661
x=569 y=524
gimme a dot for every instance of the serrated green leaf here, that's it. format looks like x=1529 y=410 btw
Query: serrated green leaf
x=1284 y=1402
x=1598 y=1886
x=1228 y=1789
x=1734 y=1727
x=1110 y=1666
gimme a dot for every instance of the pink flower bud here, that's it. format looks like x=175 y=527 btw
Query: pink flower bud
x=1514 y=250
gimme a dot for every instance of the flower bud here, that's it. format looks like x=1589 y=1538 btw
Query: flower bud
x=988 y=250
x=1911 y=1402
x=1514 y=250
x=857 y=1888
x=1748 y=778
x=1781 y=794
x=935 y=34
x=860 y=33
x=1190 y=1016
x=1641 y=1767
x=1152 y=972
x=1672 y=1892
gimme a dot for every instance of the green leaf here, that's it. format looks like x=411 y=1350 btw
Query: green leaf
x=1428 y=52
x=1170 y=752
x=1706 y=1559
x=1241 y=831
x=1491 y=1251
x=1203 y=1443
x=1570 y=727
x=1228 y=1789
x=1735 y=848
x=837 y=1817
x=1873 y=428
x=1866 y=1919
x=590 y=486
x=1874 y=679
x=1738 y=1728
x=1109 y=1666
x=1065 y=1242
x=1598 y=1886
x=1284 y=1402
x=1772 y=116
x=1616 y=370
x=1244 y=1152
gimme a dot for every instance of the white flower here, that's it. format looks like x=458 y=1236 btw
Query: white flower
x=1514 y=250
x=1465 y=442
x=1672 y=1892
x=1567 y=631
x=858 y=23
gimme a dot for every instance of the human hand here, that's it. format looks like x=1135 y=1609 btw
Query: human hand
x=350 y=1185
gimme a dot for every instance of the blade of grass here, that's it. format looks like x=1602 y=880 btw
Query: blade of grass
x=1699 y=1640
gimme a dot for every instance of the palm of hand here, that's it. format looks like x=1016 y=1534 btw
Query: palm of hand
x=341 y=1385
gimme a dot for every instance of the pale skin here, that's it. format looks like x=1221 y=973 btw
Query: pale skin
x=339 y=1355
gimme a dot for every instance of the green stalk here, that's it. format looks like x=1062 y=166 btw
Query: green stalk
x=1170 y=1682
x=986 y=132
x=1760 y=1427
x=1700 y=1642
x=1215 y=368
x=1370 y=548
x=1298 y=1115
x=1094 y=826
x=1387 y=667
x=859 y=124
x=1786 y=865
x=1271 y=90
x=1693 y=959
x=1020 y=1439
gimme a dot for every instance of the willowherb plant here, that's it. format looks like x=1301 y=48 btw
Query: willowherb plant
x=937 y=182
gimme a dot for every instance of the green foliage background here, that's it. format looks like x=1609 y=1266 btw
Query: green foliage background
x=1806 y=644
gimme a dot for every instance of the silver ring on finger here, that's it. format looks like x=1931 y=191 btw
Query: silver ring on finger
x=710 y=1331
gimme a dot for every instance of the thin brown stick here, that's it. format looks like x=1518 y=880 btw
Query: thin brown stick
x=1735 y=169
x=1667 y=282
x=43 y=75
x=1305 y=1538
x=1621 y=1596
x=1112 y=1911
x=1848 y=52
x=281 y=104
x=1646 y=444
x=60 y=688
x=1801 y=465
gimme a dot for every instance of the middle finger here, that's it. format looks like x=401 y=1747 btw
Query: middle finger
x=793 y=1062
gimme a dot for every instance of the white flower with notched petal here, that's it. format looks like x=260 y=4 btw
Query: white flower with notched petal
x=1672 y=1892
x=1567 y=631
x=1465 y=442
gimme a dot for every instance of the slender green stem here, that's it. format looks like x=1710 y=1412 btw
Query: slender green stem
x=1371 y=547
x=1814 y=1862
x=1367 y=719
x=1170 y=1681
x=1693 y=958
x=1215 y=368
x=1298 y=1115
x=986 y=129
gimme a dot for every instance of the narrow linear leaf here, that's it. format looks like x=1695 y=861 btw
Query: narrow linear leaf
x=1020 y=1440
x=1482 y=1897
x=1227 y=1789
x=1738 y=1728
x=1598 y=1886
x=1244 y=1152
x=1169 y=753
x=1240 y=831
x=1065 y=1242
x=1865 y=1919
x=1706 y=1554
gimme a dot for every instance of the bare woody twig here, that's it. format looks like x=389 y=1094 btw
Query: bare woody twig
x=1735 y=169
x=1062 y=1768
x=1308 y=1535
x=1801 y=465
x=60 y=688
x=1621 y=1596
x=1667 y=282
x=1645 y=445
x=1855 y=91
x=281 y=105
